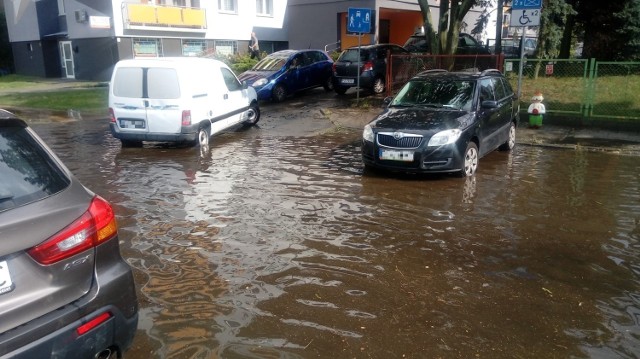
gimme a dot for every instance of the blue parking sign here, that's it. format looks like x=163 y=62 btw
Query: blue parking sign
x=359 y=20
x=526 y=4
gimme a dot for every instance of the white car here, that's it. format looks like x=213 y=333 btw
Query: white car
x=177 y=99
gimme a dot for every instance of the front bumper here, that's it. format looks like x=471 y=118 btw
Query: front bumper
x=447 y=158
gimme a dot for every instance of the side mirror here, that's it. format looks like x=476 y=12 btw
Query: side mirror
x=387 y=100
x=489 y=104
x=245 y=85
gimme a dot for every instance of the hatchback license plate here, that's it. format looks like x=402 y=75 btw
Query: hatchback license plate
x=6 y=285
x=347 y=81
x=393 y=155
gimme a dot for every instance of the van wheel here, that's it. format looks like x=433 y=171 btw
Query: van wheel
x=130 y=143
x=253 y=115
x=470 y=160
x=378 y=85
x=203 y=137
x=279 y=93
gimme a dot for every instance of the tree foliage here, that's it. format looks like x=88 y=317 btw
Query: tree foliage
x=450 y=21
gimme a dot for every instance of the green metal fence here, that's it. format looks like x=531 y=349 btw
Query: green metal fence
x=580 y=88
x=585 y=88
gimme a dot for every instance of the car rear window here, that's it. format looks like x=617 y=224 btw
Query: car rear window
x=162 y=83
x=27 y=172
x=351 y=55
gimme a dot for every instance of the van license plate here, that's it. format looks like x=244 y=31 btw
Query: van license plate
x=131 y=124
x=347 y=81
x=405 y=156
x=6 y=285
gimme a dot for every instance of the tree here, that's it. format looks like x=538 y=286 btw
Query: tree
x=553 y=20
x=450 y=22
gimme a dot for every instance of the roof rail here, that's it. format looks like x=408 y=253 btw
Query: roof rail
x=489 y=71
x=431 y=71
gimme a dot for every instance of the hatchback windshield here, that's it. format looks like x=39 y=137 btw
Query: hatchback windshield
x=270 y=63
x=456 y=94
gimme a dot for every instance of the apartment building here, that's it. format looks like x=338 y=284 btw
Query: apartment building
x=83 y=39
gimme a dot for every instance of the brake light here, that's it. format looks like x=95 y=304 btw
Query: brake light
x=367 y=66
x=95 y=226
x=186 y=118
x=112 y=115
x=333 y=67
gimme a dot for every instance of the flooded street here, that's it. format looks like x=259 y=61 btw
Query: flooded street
x=277 y=244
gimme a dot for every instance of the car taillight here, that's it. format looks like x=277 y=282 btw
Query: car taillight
x=367 y=66
x=333 y=67
x=95 y=226
x=186 y=118
x=112 y=115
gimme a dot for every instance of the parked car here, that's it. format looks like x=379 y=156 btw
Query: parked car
x=511 y=47
x=287 y=72
x=443 y=121
x=177 y=99
x=372 y=70
x=65 y=291
x=467 y=45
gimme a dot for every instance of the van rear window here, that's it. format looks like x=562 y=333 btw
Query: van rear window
x=161 y=83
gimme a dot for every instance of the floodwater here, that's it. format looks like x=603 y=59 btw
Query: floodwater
x=275 y=244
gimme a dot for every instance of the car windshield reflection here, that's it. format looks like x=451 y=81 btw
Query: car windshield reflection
x=270 y=64
x=437 y=94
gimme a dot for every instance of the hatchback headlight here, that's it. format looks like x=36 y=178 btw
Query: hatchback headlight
x=445 y=137
x=367 y=133
x=260 y=82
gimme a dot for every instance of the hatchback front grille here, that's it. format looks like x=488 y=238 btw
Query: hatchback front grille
x=399 y=140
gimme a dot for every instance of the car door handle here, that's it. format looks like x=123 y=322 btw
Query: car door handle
x=225 y=96
x=146 y=103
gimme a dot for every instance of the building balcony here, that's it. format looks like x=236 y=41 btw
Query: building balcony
x=163 y=18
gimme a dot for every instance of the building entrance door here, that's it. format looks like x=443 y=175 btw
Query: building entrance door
x=66 y=52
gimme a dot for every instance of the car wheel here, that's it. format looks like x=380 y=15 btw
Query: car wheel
x=470 y=160
x=328 y=84
x=130 y=143
x=511 y=141
x=279 y=93
x=203 y=137
x=253 y=115
x=340 y=90
x=378 y=85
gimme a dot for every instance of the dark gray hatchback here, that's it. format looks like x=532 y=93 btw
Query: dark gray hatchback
x=65 y=290
x=443 y=121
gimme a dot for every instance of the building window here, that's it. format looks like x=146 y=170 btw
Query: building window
x=264 y=7
x=226 y=47
x=228 y=6
x=147 y=48
x=193 y=47
x=61 y=7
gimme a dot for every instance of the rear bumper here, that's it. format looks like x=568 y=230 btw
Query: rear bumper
x=54 y=334
x=188 y=134
x=366 y=81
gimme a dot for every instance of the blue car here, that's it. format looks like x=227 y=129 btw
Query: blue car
x=286 y=72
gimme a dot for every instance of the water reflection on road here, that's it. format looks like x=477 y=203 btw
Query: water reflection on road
x=280 y=246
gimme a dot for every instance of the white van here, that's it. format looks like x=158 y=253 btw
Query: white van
x=177 y=99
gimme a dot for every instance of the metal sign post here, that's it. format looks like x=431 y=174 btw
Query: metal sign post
x=359 y=22
x=524 y=13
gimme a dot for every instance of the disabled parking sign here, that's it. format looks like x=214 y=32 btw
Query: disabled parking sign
x=359 y=20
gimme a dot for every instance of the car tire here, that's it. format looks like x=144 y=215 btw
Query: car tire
x=511 y=140
x=253 y=116
x=469 y=164
x=279 y=93
x=203 y=137
x=340 y=90
x=131 y=143
x=328 y=84
x=378 y=85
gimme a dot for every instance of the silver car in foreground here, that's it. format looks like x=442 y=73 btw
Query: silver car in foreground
x=65 y=291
